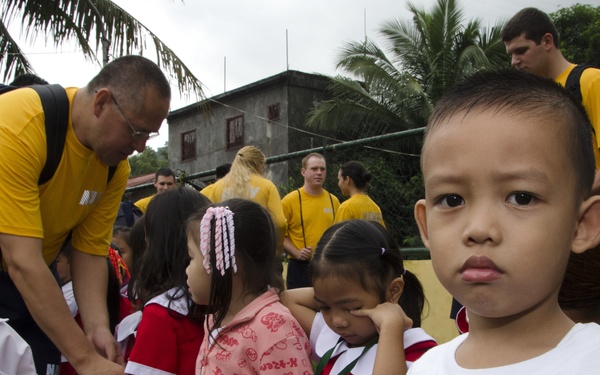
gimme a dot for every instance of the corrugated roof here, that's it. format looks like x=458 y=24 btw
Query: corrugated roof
x=139 y=180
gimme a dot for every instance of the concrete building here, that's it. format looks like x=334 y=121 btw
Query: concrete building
x=269 y=114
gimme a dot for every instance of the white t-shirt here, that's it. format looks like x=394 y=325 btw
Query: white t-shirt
x=15 y=353
x=577 y=353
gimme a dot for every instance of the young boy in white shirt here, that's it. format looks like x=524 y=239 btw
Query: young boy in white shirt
x=508 y=167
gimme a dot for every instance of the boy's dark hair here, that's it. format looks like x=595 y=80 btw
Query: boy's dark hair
x=166 y=172
x=255 y=245
x=353 y=249
x=357 y=172
x=166 y=256
x=531 y=22
x=529 y=96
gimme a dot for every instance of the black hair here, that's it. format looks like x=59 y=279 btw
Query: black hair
x=364 y=250
x=166 y=256
x=113 y=297
x=166 y=172
x=28 y=79
x=357 y=173
x=137 y=242
x=529 y=96
x=255 y=245
x=531 y=22
x=222 y=170
x=580 y=289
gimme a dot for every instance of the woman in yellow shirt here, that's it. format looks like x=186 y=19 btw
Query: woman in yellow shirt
x=245 y=180
x=353 y=179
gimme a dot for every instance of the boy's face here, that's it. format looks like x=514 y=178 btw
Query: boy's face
x=499 y=214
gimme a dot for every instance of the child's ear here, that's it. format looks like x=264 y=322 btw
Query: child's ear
x=587 y=233
x=421 y=218
x=394 y=290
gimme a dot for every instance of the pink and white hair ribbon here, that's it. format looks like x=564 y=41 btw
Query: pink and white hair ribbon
x=224 y=239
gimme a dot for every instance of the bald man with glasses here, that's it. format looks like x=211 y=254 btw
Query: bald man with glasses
x=113 y=116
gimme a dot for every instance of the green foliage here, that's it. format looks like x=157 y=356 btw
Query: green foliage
x=579 y=30
x=148 y=161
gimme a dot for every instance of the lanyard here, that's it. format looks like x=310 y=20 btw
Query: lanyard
x=351 y=365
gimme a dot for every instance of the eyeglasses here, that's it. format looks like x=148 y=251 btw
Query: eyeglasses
x=135 y=134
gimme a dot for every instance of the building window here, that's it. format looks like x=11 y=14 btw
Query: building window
x=188 y=145
x=273 y=112
x=235 y=132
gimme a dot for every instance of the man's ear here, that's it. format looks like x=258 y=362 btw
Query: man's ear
x=101 y=99
x=548 y=42
x=587 y=232
x=421 y=219
x=394 y=290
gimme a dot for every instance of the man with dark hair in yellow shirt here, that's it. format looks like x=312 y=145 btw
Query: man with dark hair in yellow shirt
x=164 y=180
x=532 y=41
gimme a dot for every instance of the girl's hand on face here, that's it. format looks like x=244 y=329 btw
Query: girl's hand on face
x=386 y=316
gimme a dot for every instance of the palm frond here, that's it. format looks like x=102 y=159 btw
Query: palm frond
x=11 y=56
x=103 y=22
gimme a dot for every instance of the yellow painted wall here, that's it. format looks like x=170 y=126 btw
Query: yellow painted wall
x=436 y=315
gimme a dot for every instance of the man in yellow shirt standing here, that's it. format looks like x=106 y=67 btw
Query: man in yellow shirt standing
x=533 y=43
x=309 y=211
x=164 y=180
x=110 y=118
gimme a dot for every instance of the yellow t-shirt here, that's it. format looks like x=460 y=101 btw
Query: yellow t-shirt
x=318 y=213
x=359 y=206
x=77 y=197
x=143 y=203
x=262 y=191
x=590 y=93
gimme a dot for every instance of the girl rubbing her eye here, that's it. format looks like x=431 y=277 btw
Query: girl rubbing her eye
x=363 y=312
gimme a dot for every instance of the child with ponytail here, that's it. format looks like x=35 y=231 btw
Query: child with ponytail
x=363 y=312
x=232 y=271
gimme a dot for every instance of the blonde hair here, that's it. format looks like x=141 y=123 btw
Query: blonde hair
x=248 y=161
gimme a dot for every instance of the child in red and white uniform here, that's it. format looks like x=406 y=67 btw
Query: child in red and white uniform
x=233 y=270
x=364 y=309
x=168 y=331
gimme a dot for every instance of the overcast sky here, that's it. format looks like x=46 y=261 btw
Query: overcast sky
x=251 y=36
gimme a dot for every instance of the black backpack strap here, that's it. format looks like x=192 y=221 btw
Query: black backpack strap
x=111 y=173
x=56 y=112
x=301 y=216
x=572 y=84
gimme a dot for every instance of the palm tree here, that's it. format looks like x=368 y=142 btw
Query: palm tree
x=92 y=24
x=426 y=56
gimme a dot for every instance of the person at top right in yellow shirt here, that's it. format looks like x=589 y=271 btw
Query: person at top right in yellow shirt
x=533 y=43
x=353 y=179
